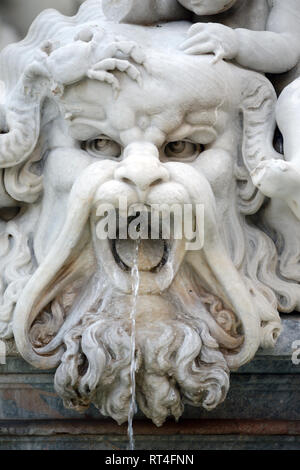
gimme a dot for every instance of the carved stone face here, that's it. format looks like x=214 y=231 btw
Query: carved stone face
x=152 y=148
x=149 y=126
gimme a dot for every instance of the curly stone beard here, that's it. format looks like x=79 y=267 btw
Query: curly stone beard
x=178 y=362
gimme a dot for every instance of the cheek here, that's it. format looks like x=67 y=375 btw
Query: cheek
x=217 y=166
x=63 y=166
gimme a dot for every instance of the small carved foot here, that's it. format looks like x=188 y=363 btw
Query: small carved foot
x=116 y=57
x=279 y=179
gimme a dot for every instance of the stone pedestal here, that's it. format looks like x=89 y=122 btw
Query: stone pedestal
x=261 y=411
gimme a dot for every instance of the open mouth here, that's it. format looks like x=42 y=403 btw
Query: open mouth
x=153 y=249
x=140 y=240
x=152 y=254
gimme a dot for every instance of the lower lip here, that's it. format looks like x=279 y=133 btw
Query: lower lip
x=153 y=254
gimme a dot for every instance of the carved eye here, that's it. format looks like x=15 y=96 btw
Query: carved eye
x=183 y=150
x=102 y=147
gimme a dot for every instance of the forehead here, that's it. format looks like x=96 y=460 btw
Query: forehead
x=174 y=91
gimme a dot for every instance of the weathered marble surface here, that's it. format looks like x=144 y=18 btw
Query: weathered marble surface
x=32 y=416
x=94 y=111
x=266 y=388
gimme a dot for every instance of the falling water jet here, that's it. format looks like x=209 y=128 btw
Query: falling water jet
x=135 y=289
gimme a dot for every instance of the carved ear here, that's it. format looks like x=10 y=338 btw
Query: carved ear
x=17 y=183
x=258 y=104
x=20 y=121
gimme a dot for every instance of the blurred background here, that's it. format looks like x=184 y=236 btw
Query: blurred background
x=17 y=15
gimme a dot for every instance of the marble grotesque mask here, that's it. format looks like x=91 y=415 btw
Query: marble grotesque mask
x=94 y=111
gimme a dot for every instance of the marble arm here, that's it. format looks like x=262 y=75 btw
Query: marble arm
x=277 y=49
x=266 y=51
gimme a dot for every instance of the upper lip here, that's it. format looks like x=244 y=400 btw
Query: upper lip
x=127 y=268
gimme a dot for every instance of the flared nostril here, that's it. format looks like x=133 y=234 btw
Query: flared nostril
x=127 y=181
x=157 y=181
x=142 y=176
x=143 y=183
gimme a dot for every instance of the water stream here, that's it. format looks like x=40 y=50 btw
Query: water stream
x=135 y=276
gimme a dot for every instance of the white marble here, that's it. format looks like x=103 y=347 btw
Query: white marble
x=93 y=111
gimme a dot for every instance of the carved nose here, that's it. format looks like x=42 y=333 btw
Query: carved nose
x=141 y=176
x=141 y=167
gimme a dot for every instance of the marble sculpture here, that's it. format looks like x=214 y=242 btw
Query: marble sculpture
x=154 y=101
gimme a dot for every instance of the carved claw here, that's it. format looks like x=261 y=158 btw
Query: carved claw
x=125 y=49
x=121 y=65
x=100 y=71
x=107 y=77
